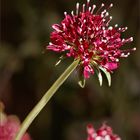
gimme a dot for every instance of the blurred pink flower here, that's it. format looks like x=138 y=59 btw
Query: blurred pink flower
x=9 y=125
x=104 y=133
x=87 y=35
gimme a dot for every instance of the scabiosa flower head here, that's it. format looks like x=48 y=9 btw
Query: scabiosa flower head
x=86 y=35
x=103 y=133
x=9 y=126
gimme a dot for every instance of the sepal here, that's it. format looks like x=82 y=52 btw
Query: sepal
x=108 y=76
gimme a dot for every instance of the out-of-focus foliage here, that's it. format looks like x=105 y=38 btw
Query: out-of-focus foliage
x=27 y=70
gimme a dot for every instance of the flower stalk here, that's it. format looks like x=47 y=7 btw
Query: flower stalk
x=44 y=100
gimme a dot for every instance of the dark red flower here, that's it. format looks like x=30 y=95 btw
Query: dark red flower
x=104 y=133
x=87 y=35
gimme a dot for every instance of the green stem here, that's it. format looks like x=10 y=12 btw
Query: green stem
x=44 y=100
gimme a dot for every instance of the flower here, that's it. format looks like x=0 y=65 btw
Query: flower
x=103 y=133
x=86 y=35
x=9 y=125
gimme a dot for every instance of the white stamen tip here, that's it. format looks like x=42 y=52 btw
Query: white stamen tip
x=116 y=25
x=134 y=49
x=110 y=17
x=103 y=28
x=110 y=28
x=106 y=14
x=131 y=38
x=111 y=5
x=93 y=8
x=89 y=9
x=77 y=5
x=84 y=7
x=103 y=5
x=88 y=1
x=126 y=28
x=77 y=8
x=117 y=60
x=72 y=12
x=102 y=15
x=65 y=13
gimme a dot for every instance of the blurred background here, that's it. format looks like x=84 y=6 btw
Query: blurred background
x=27 y=70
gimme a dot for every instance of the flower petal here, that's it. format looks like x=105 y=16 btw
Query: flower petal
x=111 y=66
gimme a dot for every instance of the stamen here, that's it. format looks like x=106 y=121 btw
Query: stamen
x=83 y=8
x=107 y=14
x=127 y=40
x=65 y=13
x=125 y=55
x=111 y=5
x=93 y=8
x=103 y=28
x=119 y=29
x=72 y=13
x=104 y=40
x=80 y=39
x=50 y=43
x=134 y=49
x=110 y=28
x=88 y=1
x=77 y=8
x=89 y=9
x=103 y=13
x=126 y=28
x=123 y=29
x=123 y=40
x=56 y=28
x=131 y=38
x=97 y=28
x=128 y=53
x=102 y=5
x=92 y=35
x=116 y=25
x=110 y=18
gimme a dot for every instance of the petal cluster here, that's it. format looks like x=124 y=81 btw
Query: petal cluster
x=86 y=35
x=103 y=133
x=9 y=126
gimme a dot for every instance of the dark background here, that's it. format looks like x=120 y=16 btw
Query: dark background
x=27 y=71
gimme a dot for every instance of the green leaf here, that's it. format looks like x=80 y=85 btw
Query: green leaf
x=82 y=82
x=108 y=76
